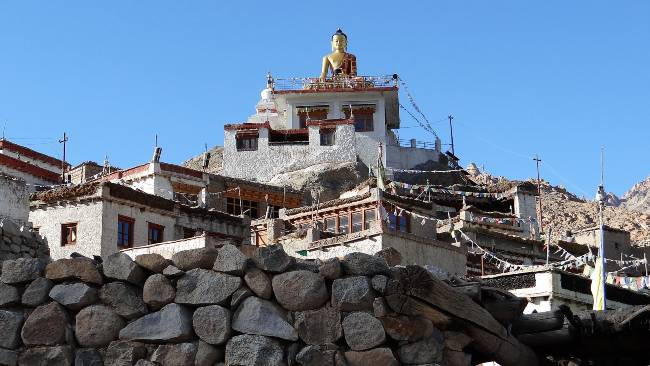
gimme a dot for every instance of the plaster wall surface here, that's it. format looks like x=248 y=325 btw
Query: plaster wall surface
x=14 y=199
x=169 y=248
x=270 y=160
x=36 y=162
x=400 y=157
x=88 y=217
x=29 y=179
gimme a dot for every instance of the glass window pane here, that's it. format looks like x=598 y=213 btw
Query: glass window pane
x=357 y=222
x=344 y=224
x=369 y=216
x=330 y=224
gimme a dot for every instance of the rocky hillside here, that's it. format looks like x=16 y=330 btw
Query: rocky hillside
x=564 y=211
x=216 y=161
x=638 y=197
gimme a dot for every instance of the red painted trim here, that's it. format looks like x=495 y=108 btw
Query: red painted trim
x=29 y=169
x=126 y=172
x=330 y=122
x=295 y=131
x=24 y=151
x=334 y=90
x=181 y=170
x=247 y=126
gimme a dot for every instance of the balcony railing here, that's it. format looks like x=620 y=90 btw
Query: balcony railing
x=415 y=144
x=339 y=82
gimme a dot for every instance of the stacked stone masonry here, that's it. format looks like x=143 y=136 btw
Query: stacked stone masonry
x=209 y=307
x=21 y=241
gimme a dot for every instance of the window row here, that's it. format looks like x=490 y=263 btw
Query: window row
x=125 y=228
x=349 y=222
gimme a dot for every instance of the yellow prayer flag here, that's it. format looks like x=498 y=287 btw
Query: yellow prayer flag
x=597 y=285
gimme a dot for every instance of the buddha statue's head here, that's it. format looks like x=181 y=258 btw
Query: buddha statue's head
x=339 y=41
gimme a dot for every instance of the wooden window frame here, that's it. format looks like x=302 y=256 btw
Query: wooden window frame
x=131 y=222
x=64 y=227
x=161 y=228
x=251 y=145
x=235 y=206
x=327 y=137
x=366 y=223
x=316 y=113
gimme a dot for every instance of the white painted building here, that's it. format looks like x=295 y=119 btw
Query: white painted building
x=14 y=199
x=31 y=166
x=300 y=122
x=101 y=218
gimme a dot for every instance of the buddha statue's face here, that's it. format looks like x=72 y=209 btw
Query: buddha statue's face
x=339 y=43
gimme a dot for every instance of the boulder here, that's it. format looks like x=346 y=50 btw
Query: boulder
x=352 y=294
x=391 y=255
x=240 y=295
x=380 y=307
x=153 y=261
x=212 y=324
x=259 y=282
x=10 y=323
x=47 y=325
x=123 y=353
x=158 y=291
x=207 y=354
x=172 y=272
x=230 y=260
x=88 y=357
x=205 y=287
x=195 y=258
x=428 y=350
x=363 y=331
x=145 y=362
x=8 y=357
x=330 y=268
x=82 y=269
x=37 y=292
x=405 y=328
x=181 y=354
x=254 y=350
x=124 y=298
x=173 y=323
x=316 y=327
x=362 y=264
x=376 y=357
x=262 y=317
x=315 y=356
x=9 y=295
x=300 y=264
x=97 y=326
x=300 y=290
x=47 y=356
x=379 y=283
x=21 y=270
x=120 y=266
x=272 y=258
x=74 y=296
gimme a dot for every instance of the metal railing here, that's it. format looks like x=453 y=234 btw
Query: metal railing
x=415 y=144
x=339 y=82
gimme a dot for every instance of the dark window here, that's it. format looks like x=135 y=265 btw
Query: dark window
x=69 y=234
x=363 y=123
x=327 y=137
x=357 y=222
x=344 y=224
x=188 y=233
x=125 y=231
x=399 y=223
x=330 y=225
x=369 y=216
x=249 y=208
x=246 y=142
x=274 y=211
x=156 y=233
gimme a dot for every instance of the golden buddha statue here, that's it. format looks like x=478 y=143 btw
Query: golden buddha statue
x=339 y=62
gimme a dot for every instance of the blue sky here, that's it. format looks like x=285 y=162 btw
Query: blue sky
x=557 y=78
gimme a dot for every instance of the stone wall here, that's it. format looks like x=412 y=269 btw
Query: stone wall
x=213 y=307
x=18 y=241
x=14 y=199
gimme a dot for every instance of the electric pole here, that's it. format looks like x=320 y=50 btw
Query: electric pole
x=601 y=196
x=63 y=163
x=539 y=193
x=451 y=129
